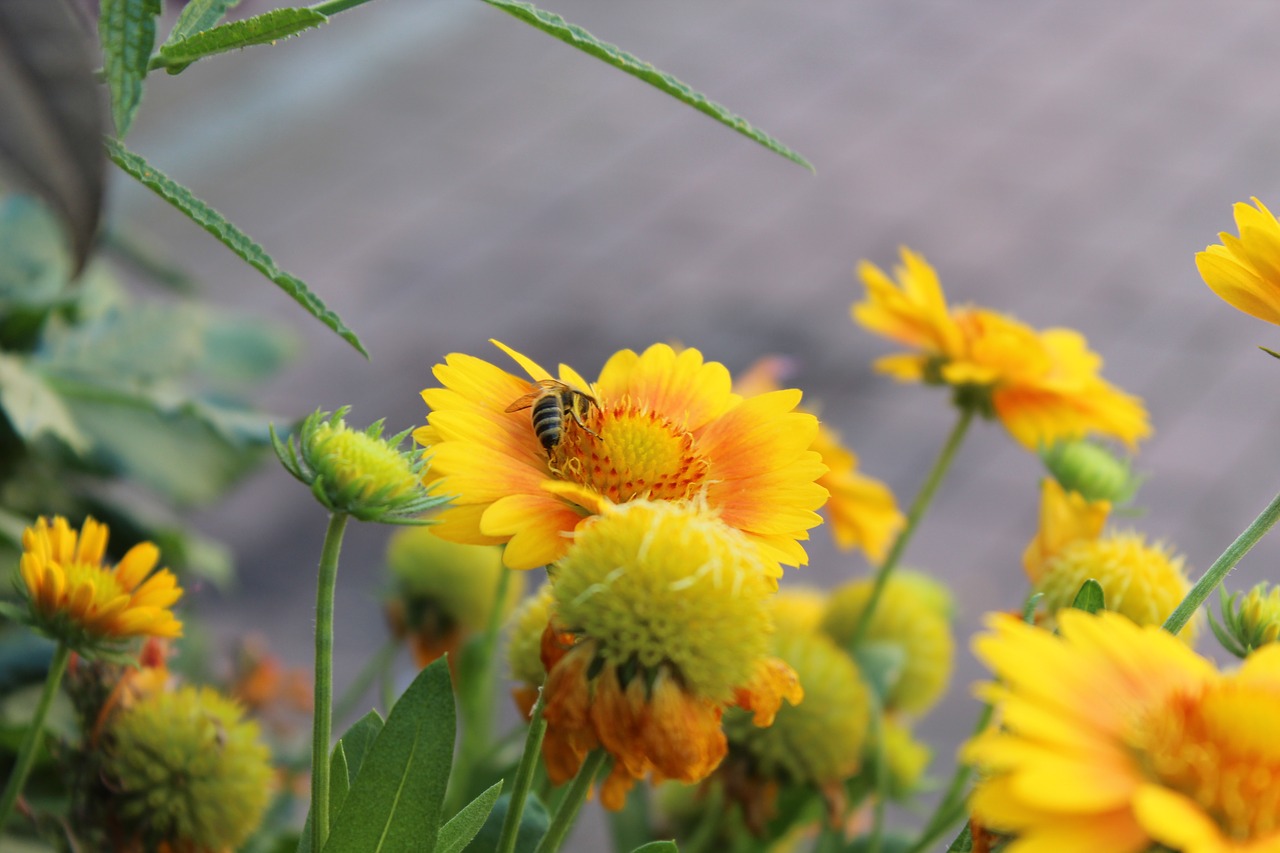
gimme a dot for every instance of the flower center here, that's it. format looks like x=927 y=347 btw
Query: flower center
x=1220 y=750
x=89 y=587
x=635 y=453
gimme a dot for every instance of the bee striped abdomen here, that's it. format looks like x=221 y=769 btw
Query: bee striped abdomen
x=548 y=420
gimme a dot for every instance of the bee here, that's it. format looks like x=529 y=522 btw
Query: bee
x=551 y=403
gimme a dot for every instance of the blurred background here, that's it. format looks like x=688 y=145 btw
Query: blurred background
x=441 y=173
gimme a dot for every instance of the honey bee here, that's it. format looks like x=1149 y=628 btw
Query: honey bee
x=551 y=402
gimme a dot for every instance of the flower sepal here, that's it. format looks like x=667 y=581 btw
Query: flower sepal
x=1250 y=619
x=358 y=472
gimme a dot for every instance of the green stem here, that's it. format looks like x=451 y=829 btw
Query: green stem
x=568 y=810
x=1222 y=566
x=524 y=779
x=27 y=751
x=951 y=806
x=882 y=781
x=322 y=725
x=918 y=507
x=705 y=831
x=476 y=697
x=375 y=666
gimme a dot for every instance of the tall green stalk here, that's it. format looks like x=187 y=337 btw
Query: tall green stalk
x=322 y=722
x=31 y=740
x=524 y=778
x=572 y=802
x=1222 y=566
x=918 y=507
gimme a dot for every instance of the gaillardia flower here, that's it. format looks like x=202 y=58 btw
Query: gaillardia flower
x=1245 y=270
x=1144 y=581
x=183 y=771
x=443 y=591
x=661 y=622
x=526 y=627
x=529 y=459
x=75 y=598
x=1250 y=620
x=1044 y=386
x=1116 y=736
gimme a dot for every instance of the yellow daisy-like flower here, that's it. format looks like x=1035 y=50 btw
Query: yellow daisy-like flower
x=662 y=622
x=659 y=425
x=1044 y=386
x=526 y=627
x=1116 y=736
x=861 y=510
x=1144 y=581
x=74 y=598
x=1245 y=270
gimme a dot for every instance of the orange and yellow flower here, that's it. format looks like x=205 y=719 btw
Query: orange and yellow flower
x=1044 y=386
x=1142 y=580
x=663 y=425
x=1245 y=270
x=1117 y=736
x=73 y=597
x=662 y=621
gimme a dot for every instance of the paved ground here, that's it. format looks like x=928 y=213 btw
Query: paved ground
x=443 y=174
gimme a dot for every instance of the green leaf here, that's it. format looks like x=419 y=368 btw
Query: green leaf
x=395 y=801
x=34 y=409
x=127 y=29
x=881 y=664
x=230 y=236
x=1089 y=598
x=1270 y=352
x=354 y=746
x=553 y=25
x=340 y=779
x=34 y=264
x=963 y=842
x=199 y=15
x=657 y=847
x=534 y=822
x=266 y=28
x=457 y=833
x=51 y=116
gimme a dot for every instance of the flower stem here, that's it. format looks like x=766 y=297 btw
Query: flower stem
x=951 y=806
x=1222 y=566
x=918 y=507
x=876 y=837
x=568 y=811
x=524 y=778
x=321 y=729
x=27 y=751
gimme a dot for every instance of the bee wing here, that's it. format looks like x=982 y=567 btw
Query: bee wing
x=524 y=402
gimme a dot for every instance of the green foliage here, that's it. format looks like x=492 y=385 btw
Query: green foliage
x=534 y=822
x=656 y=847
x=1089 y=598
x=267 y=28
x=963 y=842
x=396 y=798
x=199 y=15
x=230 y=236
x=457 y=833
x=127 y=29
x=556 y=26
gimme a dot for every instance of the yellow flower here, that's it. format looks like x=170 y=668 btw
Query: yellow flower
x=798 y=610
x=1144 y=581
x=73 y=597
x=1042 y=385
x=526 y=627
x=182 y=770
x=1249 y=620
x=1116 y=736
x=1245 y=271
x=659 y=425
x=912 y=622
x=667 y=613
x=443 y=591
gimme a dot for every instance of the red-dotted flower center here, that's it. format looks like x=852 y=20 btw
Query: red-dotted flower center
x=635 y=453
x=1220 y=750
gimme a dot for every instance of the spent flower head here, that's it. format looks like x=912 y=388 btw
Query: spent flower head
x=73 y=596
x=182 y=770
x=357 y=472
x=1043 y=385
x=1250 y=620
x=1117 y=736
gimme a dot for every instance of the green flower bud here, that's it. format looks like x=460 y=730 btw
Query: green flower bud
x=1092 y=470
x=1249 y=620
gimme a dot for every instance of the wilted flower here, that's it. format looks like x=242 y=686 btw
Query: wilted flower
x=1044 y=386
x=659 y=425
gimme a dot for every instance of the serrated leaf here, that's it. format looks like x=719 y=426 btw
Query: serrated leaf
x=52 y=115
x=657 y=847
x=267 y=28
x=457 y=833
x=230 y=236
x=395 y=801
x=199 y=15
x=556 y=26
x=33 y=408
x=127 y=30
x=1089 y=598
